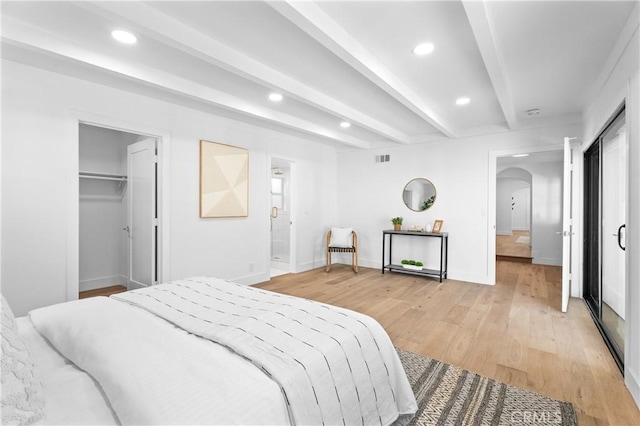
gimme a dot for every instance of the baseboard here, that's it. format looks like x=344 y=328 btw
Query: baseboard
x=102 y=282
x=135 y=286
x=452 y=274
x=551 y=261
x=252 y=278
x=633 y=385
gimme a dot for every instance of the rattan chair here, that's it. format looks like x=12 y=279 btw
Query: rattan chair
x=353 y=250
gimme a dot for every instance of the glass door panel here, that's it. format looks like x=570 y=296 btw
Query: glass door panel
x=605 y=198
x=613 y=220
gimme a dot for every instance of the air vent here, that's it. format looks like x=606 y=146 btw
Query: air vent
x=383 y=158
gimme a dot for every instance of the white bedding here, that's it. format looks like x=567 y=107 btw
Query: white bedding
x=153 y=372
x=72 y=397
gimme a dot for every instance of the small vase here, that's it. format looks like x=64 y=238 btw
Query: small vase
x=397 y=227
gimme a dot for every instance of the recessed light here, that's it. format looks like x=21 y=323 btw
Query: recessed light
x=462 y=101
x=275 y=97
x=534 y=111
x=345 y=124
x=124 y=36
x=423 y=49
x=520 y=155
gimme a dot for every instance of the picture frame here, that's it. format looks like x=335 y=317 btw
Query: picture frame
x=437 y=226
x=224 y=180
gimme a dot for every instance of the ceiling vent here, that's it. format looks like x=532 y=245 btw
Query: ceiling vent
x=383 y=158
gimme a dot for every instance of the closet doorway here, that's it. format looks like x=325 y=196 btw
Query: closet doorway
x=605 y=209
x=118 y=209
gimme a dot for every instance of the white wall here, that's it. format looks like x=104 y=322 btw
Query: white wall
x=370 y=194
x=39 y=174
x=521 y=213
x=546 y=220
x=622 y=84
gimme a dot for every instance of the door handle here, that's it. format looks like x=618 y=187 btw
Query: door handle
x=620 y=236
x=126 y=228
x=274 y=212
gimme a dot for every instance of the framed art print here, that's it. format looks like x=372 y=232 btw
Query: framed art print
x=224 y=180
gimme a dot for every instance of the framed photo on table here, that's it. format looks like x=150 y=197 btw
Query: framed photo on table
x=437 y=226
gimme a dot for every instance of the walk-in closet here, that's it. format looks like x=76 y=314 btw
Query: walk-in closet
x=118 y=180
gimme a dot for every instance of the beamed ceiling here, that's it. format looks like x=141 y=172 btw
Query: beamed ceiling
x=335 y=61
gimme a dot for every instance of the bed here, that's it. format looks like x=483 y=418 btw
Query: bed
x=208 y=351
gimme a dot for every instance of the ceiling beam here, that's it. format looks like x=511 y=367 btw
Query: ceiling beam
x=23 y=35
x=481 y=27
x=310 y=18
x=168 y=30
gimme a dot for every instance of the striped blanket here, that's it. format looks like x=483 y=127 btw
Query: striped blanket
x=333 y=366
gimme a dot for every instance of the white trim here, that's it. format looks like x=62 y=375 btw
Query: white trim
x=577 y=245
x=76 y=117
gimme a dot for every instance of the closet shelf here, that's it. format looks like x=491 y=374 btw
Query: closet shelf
x=102 y=176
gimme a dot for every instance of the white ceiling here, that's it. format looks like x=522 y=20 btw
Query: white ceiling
x=339 y=60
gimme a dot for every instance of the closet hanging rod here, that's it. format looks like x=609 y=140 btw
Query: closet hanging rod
x=104 y=176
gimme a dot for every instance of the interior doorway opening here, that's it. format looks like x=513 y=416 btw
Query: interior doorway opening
x=513 y=215
x=529 y=216
x=118 y=209
x=280 y=216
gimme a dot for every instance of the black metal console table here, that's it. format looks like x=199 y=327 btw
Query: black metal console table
x=444 y=253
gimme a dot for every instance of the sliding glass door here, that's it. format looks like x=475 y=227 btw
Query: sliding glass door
x=605 y=188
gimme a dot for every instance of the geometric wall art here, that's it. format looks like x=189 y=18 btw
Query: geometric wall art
x=224 y=180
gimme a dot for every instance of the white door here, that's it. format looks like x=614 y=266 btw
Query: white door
x=142 y=215
x=567 y=224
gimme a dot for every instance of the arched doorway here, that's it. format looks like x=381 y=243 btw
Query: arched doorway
x=513 y=215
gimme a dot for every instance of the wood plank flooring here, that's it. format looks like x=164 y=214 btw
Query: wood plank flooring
x=105 y=291
x=513 y=332
x=508 y=249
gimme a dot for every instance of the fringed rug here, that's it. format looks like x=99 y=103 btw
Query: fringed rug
x=448 y=395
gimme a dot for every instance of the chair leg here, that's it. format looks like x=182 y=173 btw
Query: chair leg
x=328 y=267
x=354 y=261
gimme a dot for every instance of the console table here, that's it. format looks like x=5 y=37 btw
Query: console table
x=444 y=256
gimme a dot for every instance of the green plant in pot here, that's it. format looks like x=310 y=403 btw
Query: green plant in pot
x=397 y=223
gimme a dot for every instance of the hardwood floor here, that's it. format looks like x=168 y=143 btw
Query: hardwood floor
x=513 y=332
x=105 y=291
x=508 y=247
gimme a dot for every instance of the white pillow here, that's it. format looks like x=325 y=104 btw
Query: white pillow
x=22 y=399
x=341 y=237
x=8 y=320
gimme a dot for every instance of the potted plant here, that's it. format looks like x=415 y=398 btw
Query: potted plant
x=397 y=223
x=411 y=264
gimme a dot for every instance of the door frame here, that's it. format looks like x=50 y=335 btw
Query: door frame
x=74 y=119
x=576 y=255
x=621 y=108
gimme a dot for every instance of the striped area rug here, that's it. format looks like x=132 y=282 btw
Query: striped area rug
x=448 y=395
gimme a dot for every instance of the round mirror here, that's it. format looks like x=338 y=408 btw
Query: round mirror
x=419 y=194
